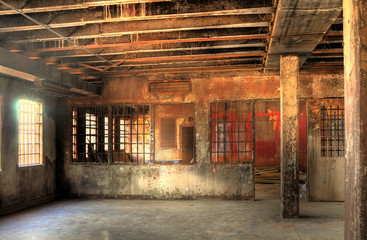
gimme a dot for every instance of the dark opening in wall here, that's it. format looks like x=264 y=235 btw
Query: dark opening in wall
x=168 y=132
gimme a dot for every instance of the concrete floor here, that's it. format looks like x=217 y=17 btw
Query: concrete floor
x=199 y=219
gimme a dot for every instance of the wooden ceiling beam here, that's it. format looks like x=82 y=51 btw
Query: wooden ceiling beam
x=98 y=16
x=175 y=58
x=159 y=42
x=36 y=48
x=63 y=5
x=110 y=52
x=328 y=51
x=107 y=30
x=191 y=57
x=182 y=70
x=204 y=62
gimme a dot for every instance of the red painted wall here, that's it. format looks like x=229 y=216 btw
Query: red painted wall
x=267 y=130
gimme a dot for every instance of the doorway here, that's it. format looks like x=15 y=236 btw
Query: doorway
x=326 y=150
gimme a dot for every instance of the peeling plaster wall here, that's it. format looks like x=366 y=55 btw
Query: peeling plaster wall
x=199 y=180
x=22 y=187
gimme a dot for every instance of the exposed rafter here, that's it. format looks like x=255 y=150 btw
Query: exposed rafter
x=95 y=39
x=61 y=5
x=18 y=66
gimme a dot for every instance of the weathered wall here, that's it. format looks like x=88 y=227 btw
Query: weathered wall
x=202 y=179
x=22 y=187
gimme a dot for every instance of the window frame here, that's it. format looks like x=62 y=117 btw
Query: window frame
x=28 y=163
x=113 y=132
x=252 y=121
x=90 y=150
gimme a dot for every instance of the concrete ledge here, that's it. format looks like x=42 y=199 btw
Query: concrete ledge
x=171 y=182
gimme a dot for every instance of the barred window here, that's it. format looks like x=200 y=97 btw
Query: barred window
x=131 y=134
x=130 y=138
x=232 y=135
x=30 y=133
x=332 y=131
x=90 y=125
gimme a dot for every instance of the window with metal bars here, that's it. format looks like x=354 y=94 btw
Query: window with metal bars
x=130 y=138
x=131 y=134
x=332 y=131
x=90 y=143
x=232 y=133
x=30 y=132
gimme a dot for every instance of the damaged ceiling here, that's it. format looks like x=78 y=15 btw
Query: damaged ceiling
x=96 y=40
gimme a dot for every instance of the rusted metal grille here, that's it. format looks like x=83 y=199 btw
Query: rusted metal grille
x=115 y=134
x=131 y=134
x=332 y=131
x=30 y=133
x=232 y=131
x=168 y=132
x=184 y=85
x=90 y=142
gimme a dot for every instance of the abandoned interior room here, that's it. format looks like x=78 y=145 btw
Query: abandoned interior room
x=183 y=119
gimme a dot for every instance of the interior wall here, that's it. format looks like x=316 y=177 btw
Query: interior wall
x=22 y=187
x=201 y=179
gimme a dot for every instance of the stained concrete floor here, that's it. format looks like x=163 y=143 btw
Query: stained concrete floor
x=198 y=219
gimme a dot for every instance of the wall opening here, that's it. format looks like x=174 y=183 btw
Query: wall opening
x=174 y=133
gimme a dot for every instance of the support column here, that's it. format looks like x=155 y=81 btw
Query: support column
x=289 y=136
x=355 y=88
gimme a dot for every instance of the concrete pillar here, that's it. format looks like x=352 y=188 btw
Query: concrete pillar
x=202 y=132
x=289 y=136
x=355 y=87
